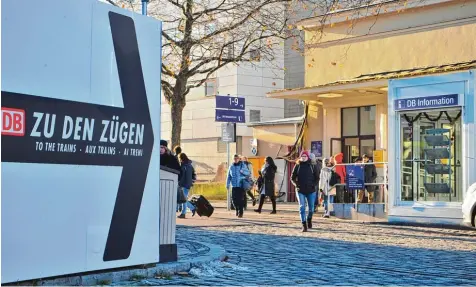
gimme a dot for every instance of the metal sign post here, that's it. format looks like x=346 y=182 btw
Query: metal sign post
x=144 y=7
x=230 y=110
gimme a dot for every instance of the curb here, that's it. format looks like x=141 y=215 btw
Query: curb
x=215 y=253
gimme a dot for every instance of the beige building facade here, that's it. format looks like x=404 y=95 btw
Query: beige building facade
x=364 y=68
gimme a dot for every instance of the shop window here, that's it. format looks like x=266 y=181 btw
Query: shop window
x=431 y=156
x=350 y=121
x=367 y=120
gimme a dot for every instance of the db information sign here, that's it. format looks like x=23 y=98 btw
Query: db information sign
x=426 y=102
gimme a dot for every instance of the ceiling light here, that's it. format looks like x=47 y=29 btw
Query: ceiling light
x=330 y=95
x=384 y=89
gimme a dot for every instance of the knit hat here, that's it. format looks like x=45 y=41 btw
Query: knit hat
x=163 y=143
x=305 y=152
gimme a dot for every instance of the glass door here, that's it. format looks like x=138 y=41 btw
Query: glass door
x=430 y=155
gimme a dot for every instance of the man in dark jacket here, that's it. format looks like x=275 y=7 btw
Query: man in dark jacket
x=305 y=177
x=370 y=175
x=167 y=159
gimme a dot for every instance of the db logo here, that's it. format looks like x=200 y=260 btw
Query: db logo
x=13 y=122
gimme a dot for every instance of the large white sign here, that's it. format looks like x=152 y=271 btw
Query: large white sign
x=80 y=126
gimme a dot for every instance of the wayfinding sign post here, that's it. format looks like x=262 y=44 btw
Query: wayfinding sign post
x=229 y=110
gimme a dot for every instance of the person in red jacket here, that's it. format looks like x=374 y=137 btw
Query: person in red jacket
x=340 y=170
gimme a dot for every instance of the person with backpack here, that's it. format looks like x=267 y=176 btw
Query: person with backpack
x=267 y=175
x=237 y=172
x=250 y=182
x=186 y=182
x=304 y=177
x=326 y=181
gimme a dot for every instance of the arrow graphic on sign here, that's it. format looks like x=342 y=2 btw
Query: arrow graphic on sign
x=75 y=133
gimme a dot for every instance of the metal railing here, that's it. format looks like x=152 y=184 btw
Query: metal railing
x=381 y=181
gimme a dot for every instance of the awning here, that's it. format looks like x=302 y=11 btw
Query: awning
x=375 y=83
x=281 y=131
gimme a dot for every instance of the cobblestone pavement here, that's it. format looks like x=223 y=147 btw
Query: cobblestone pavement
x=271 y=250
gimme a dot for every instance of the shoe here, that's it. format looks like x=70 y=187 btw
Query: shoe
x=273 y=212
x=304 y=227
x=257 y=210
x=181 y=216
x=309 y=223
x=193 y=212
x=240 y=215
x=254 y=202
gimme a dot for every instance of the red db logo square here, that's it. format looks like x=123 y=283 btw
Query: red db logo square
x=13 y=122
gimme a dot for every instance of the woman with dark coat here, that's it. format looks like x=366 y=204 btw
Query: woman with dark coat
x=305 y=179
x=267 y=175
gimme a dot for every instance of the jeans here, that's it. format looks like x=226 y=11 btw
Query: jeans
x=310 y=198
x=331 y=200
x=186 y=204
x=238 y=198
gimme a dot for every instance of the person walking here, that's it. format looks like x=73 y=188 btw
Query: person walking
x=324 y=185
x=370 y=175
x=250 y=179
x=237 y=172
x=268 y=173
x=167 y=159
x=186 y=182
x=304 y=178
x=340 y=170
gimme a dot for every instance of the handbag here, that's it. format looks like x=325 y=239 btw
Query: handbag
x=181 y=195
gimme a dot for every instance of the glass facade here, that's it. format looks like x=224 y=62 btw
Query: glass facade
x=431 y=149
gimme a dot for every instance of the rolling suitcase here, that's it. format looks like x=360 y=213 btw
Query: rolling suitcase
x=204 y=208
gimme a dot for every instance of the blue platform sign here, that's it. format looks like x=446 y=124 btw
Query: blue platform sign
x=354 y=177
x=426 y=102
x=232 y=103
x=229 y=116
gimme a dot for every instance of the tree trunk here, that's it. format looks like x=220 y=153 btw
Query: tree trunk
x=176 y=109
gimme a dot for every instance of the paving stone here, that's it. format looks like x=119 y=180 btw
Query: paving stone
x=335 y=253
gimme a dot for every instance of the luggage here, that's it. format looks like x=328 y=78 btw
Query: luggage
x=203 y=207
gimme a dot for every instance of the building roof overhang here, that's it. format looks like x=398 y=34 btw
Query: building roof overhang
x=372 y=9
x=376 y=81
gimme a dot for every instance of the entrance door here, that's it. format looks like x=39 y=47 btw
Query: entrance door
x=430 y=151
x=358 y=132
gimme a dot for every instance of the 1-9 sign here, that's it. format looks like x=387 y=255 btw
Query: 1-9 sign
x=232 y=103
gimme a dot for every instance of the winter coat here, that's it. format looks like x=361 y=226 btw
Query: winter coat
x=269 y=173
x=305 y=177
x=340 y=169
x=236 y=173
x=186 y=175
x=170 y=161
x=249 y=165
x=370 y=175
x=324 y=179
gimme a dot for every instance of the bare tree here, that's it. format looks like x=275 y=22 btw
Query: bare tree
x=202 y=36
